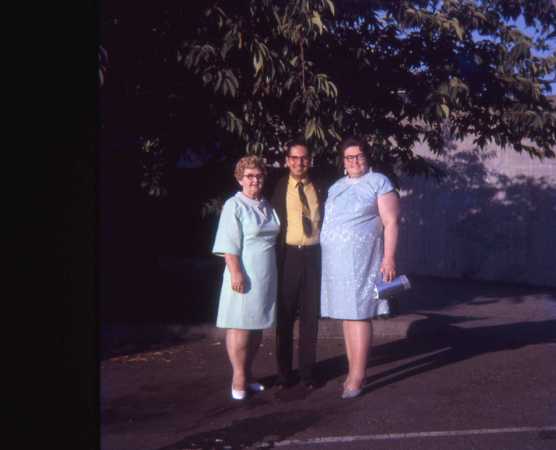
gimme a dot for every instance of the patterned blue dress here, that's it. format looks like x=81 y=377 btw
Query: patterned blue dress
x=352 y=242
x=248 y=228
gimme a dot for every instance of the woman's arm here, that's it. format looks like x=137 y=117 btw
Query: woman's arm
x=389 y=211
x=234 y=266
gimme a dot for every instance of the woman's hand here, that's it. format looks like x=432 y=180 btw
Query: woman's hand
x=236 y=272
x=238 y=281
x=388 y=269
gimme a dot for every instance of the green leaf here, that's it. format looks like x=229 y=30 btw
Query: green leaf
x=218 y=83
x=316 y=20
x=310 y=128
x=442 y=111
x=457 y=28
x=257 y=62
x=207 y=78
x=333 y=89
x=331 y=7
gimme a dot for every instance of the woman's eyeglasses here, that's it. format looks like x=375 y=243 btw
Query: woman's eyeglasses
x=251 y=176
x=358 y=157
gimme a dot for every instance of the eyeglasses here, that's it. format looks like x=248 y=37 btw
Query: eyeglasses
x=299 y=158
x=251 y=176
x=358 y=157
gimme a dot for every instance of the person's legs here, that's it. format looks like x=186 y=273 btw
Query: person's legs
x=286 y=311
x=309 y=311
x=253 y=345
x=358 y=335
x=347 y=343
x=237 y=345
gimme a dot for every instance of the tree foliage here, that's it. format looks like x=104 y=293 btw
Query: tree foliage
x=259 y=56
x=395 y=73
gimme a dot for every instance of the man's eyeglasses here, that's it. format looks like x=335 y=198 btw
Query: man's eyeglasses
x=299 y=158
x=251 y=176
x=358 y=157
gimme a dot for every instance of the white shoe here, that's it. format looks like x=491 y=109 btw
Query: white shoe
x=351 y=393
x=255 y=387
x=238 y=395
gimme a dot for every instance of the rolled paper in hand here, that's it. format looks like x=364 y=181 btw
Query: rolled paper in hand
x=385 y=289
x=383 y=308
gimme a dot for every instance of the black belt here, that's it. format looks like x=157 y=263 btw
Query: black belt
x=302 y=247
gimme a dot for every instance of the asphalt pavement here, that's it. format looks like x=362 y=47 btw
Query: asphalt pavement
x=463 y=364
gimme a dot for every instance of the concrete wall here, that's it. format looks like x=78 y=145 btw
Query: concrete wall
x=493 y=217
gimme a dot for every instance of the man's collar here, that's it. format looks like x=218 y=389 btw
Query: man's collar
x=293 y=181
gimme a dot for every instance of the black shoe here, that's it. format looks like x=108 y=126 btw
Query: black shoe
x=284 y=381
x=309 y=383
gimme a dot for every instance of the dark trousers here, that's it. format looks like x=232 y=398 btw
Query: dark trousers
x=299 y=293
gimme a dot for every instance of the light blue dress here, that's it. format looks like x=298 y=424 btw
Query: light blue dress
x=352 y=242
x=248 y=228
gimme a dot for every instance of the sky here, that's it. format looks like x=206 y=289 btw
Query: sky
x=521 y=25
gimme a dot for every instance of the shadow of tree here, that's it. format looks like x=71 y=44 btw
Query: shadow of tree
x=436 y=293
x=260 y=431
x=119 y=339
x=441 y=343
x=457 y=345
x=478 y=223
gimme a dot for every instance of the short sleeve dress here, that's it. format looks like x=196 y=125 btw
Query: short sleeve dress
x=352 y=245
x=248 y=228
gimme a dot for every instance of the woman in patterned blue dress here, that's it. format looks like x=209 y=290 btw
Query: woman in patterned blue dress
x=246 y=237
x=358 y=240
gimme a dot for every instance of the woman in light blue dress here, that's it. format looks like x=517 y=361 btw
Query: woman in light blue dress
x=358 y=241
x=246 y=237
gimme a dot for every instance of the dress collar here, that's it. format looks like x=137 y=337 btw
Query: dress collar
x=252 y=202
x=358 y=179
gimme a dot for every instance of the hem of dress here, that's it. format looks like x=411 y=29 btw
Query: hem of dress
x=227 y=327
x=351 y=318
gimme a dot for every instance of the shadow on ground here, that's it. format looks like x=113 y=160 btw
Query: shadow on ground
x=441 y=343
x=124 y=339
x=261 y=432
x=428 y=294
x=436 y=293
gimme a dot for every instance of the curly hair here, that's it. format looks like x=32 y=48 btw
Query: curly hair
x=352 y=141
x=249 y=162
